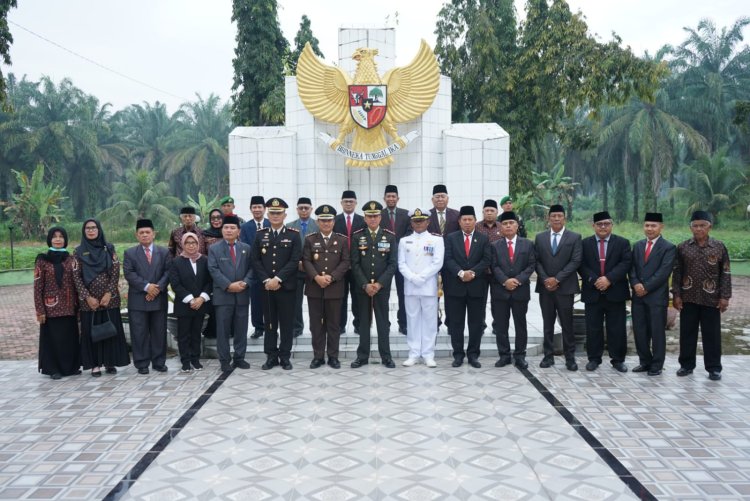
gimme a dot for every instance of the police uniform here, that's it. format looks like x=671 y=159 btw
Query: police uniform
x=276 y=254
x=420 y=258
x=325 y=255
x=374 y=261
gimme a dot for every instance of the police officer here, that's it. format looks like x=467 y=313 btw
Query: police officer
x=374 y=261
x=325 y=258
x=276 y=254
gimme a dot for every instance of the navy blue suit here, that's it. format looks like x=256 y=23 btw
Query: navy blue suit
x=247 y=235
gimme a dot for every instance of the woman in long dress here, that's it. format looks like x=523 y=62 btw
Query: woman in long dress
x=56 y=305
x=96 y=281
x=211 y=235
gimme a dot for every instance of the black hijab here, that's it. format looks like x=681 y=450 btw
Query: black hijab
x=96 y=254
x=211 y=231
x=56 y=257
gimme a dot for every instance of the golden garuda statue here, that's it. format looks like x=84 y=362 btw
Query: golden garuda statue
x=368 y=105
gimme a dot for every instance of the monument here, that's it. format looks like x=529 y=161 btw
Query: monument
x=325 y=147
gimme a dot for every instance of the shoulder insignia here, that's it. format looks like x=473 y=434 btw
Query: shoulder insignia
x=339 y=234
x=264 y=229
x=358 y=231
x=292 y=229
x=436 y=234
x=386 y=230
x=311 y=234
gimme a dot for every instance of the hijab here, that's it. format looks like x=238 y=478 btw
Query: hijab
x=195 y=256
x=56 y=256
x=211 y=231
x=96 y=254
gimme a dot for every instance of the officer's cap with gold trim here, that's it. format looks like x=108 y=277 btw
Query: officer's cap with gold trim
x=372 y=208
x=276 y=205
x=419 y=214
x=325 y=212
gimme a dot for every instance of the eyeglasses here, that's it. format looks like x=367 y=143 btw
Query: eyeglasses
x=604 y=224
x=216 y=218
x=91 y=228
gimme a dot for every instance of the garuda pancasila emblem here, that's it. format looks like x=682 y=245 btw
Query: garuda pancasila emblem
x=368 y=104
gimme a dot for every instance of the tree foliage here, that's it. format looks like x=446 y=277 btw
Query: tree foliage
x=304 y=35
x=141 y=196
x=37 y=205
x=6 y=39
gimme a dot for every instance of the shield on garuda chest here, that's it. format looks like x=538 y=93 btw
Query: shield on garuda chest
x=368 y=104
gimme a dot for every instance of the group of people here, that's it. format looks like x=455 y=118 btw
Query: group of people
x=257 y=272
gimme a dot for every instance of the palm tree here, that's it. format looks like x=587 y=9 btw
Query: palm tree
x=715 y=184
x=139 y=196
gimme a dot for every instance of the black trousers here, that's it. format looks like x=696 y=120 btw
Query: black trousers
x=278 y=312
x=299 y=322
x=350 y=289
x=708 y=319
x=257 y=309
x=377 y=308
x=324 y=326
x=649 y=324
x=501 y=311
x=401 y=315
x=189 y=337
x=560 y=306
x=456 y=308
x=613 y=314
x=148 y=337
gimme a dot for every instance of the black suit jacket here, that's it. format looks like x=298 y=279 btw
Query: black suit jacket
x=339 y=224
x=524 y=263
x=617 y=263
x=277 y=257
x=563 y=265
x=403 y=222
x=654 y=274
x=451 y=221
x=186 y=282
x=455 y=260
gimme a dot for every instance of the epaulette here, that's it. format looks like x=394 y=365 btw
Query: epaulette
x=264 y=229
x=292 y=229
x=339 y=234
x=311 y=234
x=436 y=234
x=386 y=230
x=359 y=230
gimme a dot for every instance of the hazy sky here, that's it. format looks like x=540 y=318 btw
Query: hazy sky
x=180 y=47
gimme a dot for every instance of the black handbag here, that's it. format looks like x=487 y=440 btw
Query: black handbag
x=102 y=331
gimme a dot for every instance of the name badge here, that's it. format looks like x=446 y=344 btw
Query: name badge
x=429 y=250
x=384 y=246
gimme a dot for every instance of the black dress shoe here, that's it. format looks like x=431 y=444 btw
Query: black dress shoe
x=297 y=333
x=359 y=362
x=457 y=362
x=684 y=372
x=258 y=333
x=641 y=368
x=402 y=330
x=143 y=370
x=99 y=373
x=160 y=368
x=475 y=363
x=334 y=363
x=592 y=365
x=388 y=362
x=111 y=370
x=620 y=367
x=56 y=376
x=547 y=362
x=270 y=363
x=521 y=363
x=571 y=365
x=226 y=367
x=286 y=364
x=241 y=364
x=714 y=375
x=502 y=362
x=317 y=362
x=653 y=372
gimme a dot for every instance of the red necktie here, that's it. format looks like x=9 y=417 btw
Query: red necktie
x=510 y=250
x=231 y=253
x=393 y=222
x=467 y=245
x=648 y=251
x=601 y=257
x=147 y=250
x=348 y=226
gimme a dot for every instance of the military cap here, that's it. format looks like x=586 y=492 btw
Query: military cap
x=257 y=200
x=325 y=212
x=276 y=205
x=372 y=208
x=601 y=216
x=226 y=200
x=505 y=200
x=419 y=214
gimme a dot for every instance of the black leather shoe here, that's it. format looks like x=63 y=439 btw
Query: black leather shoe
x=388 y=362
x=226 y=367
x=521 y=363
x=547 y=362
x=160 y=368
x=258 y=333
x=286 y=364
x=620 y=367
x=270 y=363
x=684 y=372
x=99 y=373
x=502 y=362
x=317 y=362
x=571 y=365
x=592 y=365
x=457 y=362
x=143 y=370
x=475 y=363
x=402 y=330
x=359 y=362
x=241 y=364
x=334 y=363
x=653 y=372
x=56 y=376
x=714 y=375
x=641 y=368
x=111 y=370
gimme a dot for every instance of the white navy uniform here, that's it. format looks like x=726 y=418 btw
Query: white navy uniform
x=420 y=258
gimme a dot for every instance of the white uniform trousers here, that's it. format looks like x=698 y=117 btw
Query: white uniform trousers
x=421 y=325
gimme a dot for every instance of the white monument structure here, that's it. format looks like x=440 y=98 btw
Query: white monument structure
x=291 y=161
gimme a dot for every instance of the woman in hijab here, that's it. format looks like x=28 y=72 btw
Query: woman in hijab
x=96 y=277
x=56 y=307
x=212 y=234
x=191 y=284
